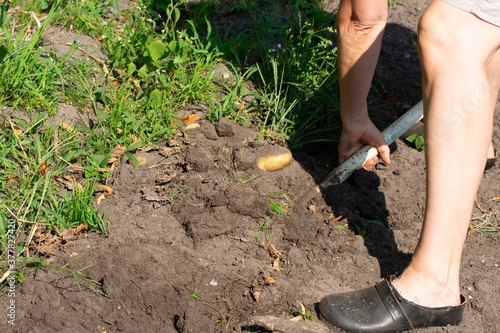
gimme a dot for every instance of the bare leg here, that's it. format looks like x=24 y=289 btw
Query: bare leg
x=456 y=50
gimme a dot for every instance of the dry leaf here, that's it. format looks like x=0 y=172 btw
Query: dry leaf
x=312 y=208
x=118 y=151
x=43 y=168
x=242 y=105
x=11 y=179
x=269 y=280
x=151 y=147
x=66 y=126
x=302 y=308
x=273 y=249
x=100 y=198
x=105 y=188
x=108 y=191
x=166 y=151
x=333 y=218
x=66 y=180
x=276 y=263
x=190 y=119
x=82 y=227
x=134 y=138
x=256 y=294
x=192 y=126
x=112 y=160
x=215 y=318
x=15 y=128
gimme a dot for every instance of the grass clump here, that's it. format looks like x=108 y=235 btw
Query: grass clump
x=286 y=49
x=161 y=55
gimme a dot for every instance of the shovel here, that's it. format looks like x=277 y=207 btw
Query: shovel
x=356 y=161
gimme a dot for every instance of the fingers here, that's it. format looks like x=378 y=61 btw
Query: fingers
x=368 y=166
x=384 y=153
x=353 y=140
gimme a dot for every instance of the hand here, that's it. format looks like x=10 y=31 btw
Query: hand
x=353 y=137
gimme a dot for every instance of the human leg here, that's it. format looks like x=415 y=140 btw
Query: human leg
x=458 y=53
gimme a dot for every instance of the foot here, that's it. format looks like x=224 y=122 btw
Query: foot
x=381 y=309
x=425 y=290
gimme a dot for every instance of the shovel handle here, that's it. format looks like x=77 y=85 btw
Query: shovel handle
x=357 y=160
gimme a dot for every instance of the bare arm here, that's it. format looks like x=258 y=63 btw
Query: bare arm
x=360 y=28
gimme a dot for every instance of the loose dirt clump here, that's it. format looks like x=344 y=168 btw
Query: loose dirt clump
x=202 y=240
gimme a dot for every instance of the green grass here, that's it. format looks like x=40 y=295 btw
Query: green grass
x=162 y=55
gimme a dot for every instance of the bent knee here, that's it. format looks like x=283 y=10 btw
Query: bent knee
x=433 y=33
x=439 y=35
x=362 y=19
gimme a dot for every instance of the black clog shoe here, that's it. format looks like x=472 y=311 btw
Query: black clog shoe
x=381 y=309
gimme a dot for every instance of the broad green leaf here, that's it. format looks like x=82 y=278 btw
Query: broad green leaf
x=155 y=97
x=131 y=68
x=411 y=138
x=135 y=145
x=143 y=71
x=156 y=50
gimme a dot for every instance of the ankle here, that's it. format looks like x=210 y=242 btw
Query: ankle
x=426 y=289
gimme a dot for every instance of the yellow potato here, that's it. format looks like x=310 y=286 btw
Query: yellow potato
x=274 y=162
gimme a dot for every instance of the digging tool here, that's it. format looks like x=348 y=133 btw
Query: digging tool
x=356 y=161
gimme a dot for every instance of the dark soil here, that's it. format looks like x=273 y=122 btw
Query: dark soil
x=194 y=245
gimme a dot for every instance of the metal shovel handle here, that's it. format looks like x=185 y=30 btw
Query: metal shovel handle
x=357 y=160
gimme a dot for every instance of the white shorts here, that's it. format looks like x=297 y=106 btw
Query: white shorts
x=488 y=10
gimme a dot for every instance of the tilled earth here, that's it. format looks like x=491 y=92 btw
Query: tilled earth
x=201 y=240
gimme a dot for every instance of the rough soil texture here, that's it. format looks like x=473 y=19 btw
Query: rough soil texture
x=194 y=245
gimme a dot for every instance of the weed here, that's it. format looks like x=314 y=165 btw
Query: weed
x=308 y=315
x=234 y=106
x=363 y=229
x=277 y=208
x=417 y=140
x=263 y=229
x=309 y=269
x=174 y=193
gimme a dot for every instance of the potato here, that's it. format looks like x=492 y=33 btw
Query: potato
x=274 y=162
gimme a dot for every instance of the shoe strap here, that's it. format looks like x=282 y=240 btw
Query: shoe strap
x=393 y=306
